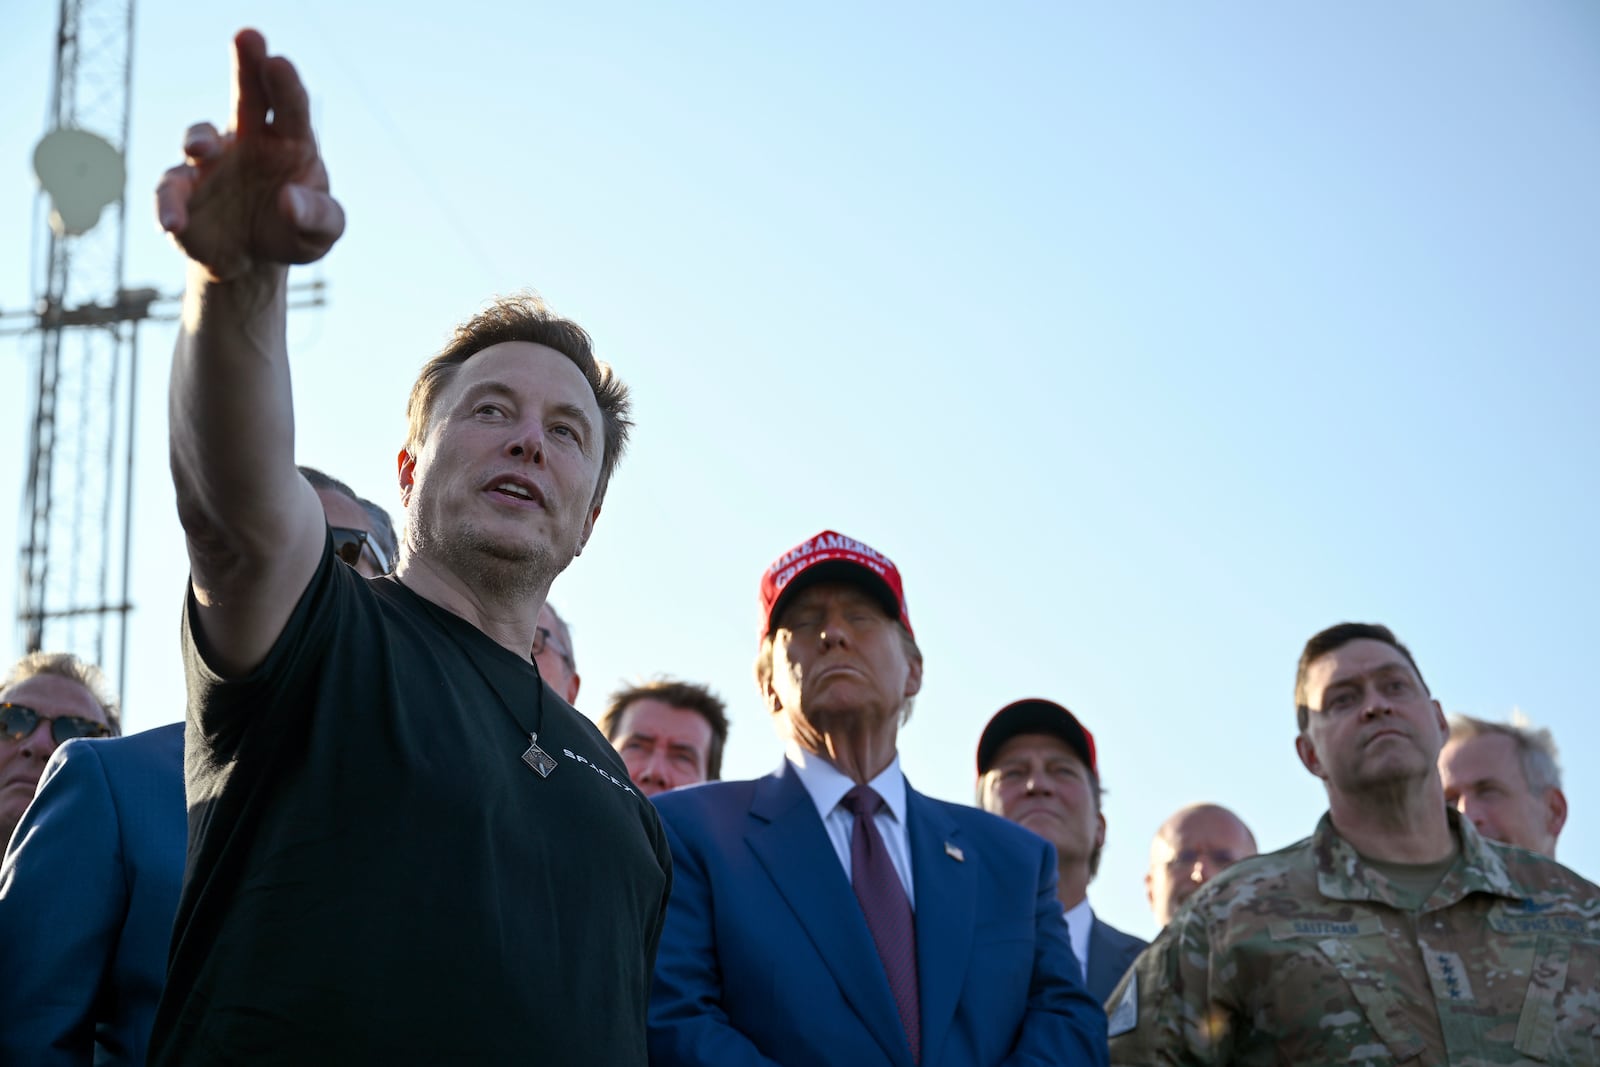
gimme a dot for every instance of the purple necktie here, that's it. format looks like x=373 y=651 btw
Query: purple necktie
x=883 y=902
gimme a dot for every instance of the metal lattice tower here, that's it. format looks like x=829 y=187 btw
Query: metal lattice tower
x=78 y=490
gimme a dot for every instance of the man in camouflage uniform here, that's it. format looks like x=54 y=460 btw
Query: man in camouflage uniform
x=1394 y=934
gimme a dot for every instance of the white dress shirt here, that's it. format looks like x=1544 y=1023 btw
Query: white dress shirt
x=1080 y=917
x=827 y=785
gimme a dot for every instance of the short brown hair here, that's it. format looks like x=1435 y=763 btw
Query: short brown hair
x=524 y=317
x=66 y=665
x=1334 y=638
x=687 y=695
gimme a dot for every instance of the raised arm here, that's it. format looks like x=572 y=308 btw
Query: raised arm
x=244 y=205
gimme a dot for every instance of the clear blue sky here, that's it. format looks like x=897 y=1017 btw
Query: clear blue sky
x=1147 y=339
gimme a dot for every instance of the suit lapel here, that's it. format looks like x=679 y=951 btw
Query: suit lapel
x=790 y=842
x=1099 y=961
x=1109 y=958
x=947 y=894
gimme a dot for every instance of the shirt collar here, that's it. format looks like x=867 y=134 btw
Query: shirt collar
x=827 y=784
x=1484 y=870
x=1342 y=876
x=1080 y=917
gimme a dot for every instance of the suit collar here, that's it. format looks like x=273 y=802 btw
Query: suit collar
x=827 y=784
x=793 y=847
x=791 y=844
x=946 y=916
x=777 y=793
x=1111 y=953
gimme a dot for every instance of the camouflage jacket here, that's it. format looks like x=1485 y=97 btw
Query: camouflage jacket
x=1302 y=957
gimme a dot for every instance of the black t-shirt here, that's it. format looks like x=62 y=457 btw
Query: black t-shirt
x=376 y=876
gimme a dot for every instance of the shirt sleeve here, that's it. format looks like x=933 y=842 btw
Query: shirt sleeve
x=1063 y=1023
x=63 y=895
x=222 y=711
x=687 y=1026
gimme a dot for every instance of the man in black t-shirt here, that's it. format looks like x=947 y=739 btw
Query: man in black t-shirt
x=403 y=846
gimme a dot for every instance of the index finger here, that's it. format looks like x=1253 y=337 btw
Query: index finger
x=249 y=88
x=286 y=94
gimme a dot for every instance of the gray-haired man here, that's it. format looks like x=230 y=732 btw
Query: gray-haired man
x=1505 y=778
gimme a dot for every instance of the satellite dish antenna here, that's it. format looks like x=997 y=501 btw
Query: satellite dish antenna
x=83 y=173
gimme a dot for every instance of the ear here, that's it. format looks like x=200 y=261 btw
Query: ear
x=989 y=795
x=913 y=676
x=572 y=690
x=1444 y=723
x=406 y=468
x=1555 y=802
x=1308 y=756
x=1099 y=831
x=588 y=529
x=1149 y=890
x=765 y=670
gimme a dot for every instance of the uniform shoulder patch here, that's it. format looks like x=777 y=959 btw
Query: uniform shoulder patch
x=1125 y=1017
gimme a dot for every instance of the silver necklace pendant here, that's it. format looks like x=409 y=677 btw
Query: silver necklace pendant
x=537 y=758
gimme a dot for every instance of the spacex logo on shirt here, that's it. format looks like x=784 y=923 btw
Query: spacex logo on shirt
x=601 y=771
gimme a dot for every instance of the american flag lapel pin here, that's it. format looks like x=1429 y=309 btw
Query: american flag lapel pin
x=954 y=853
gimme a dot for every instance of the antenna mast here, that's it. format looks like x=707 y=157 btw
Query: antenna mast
x=74 y=540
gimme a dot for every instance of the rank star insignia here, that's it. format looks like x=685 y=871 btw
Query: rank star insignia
x=537 y=758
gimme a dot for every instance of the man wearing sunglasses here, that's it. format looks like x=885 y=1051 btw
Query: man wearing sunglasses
x=363 y=535
x=46 y=700
x=90 y=883
x=404 y=846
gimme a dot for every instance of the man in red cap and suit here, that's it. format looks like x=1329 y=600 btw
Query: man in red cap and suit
x=829 y=913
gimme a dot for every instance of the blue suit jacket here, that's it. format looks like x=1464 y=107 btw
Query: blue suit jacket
x=88 y=890
x=766 y=957
x=1111 y=953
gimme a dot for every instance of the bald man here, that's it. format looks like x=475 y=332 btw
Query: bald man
x=1191 y=848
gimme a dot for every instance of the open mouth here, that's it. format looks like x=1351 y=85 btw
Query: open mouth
x=514 y=489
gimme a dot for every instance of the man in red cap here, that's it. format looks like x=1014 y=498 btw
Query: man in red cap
x=829 y=913
x=1037 y=767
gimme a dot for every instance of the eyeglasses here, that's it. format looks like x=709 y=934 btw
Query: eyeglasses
x=1221 y=858
x=541 y=641
x=17 y=722
x=348 y=543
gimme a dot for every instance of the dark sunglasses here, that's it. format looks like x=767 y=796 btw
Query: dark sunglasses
x=17 y=722
x=348 y=544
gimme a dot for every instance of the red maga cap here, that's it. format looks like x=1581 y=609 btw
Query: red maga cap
x=832 y=557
